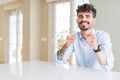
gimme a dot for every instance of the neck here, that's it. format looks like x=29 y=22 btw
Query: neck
x=85 y=33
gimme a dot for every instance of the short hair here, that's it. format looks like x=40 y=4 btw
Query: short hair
x=87 y=8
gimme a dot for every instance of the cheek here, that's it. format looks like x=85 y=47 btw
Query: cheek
x=78 y=21
x=94 y=21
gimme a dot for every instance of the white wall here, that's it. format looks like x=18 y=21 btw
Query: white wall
x=108 y=15
x=35 y=25
x=32 y=30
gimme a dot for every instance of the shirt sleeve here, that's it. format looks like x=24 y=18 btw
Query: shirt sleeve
x=106 y=46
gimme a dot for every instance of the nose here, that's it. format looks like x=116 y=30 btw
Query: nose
x=84 y=18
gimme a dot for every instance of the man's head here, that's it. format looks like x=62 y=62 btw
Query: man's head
x=87 y=8
x=86 y=16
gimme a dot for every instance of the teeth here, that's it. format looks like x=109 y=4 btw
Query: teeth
x=84 y=23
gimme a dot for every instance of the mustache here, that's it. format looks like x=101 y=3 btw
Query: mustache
x=84 y=29
x=84 y=22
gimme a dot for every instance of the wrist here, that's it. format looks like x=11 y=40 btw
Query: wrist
x=63 y=49
x=65 y=46
x=98 y=49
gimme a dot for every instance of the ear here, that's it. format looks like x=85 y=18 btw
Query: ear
x=94 y=20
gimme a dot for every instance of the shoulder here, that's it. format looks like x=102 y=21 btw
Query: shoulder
x=101 y=33
x=102 y=36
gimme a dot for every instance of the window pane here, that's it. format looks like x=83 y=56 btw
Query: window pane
x=15 y=20
x=20 y=38
x=66 y=22
x=61 y=37
x=62 y=23
x=12 y=39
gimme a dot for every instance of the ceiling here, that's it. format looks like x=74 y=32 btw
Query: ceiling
x=6 y=1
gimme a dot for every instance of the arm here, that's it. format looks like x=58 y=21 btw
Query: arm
x=91 y=40
x=69 y=41
x=101 y=55
x=106 y=47
x=105 y=56
x=61 y=52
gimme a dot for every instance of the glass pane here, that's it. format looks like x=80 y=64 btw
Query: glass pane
x=62 y=23
x=12 y=29
x=19 y=56
x=12 y=53
x=15 y=36
x=12 y=39
x=61 y=37
x=20 y=37
x=20 y=22
x=66 y=21
x=12 y=23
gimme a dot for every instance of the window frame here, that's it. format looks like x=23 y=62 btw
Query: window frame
x=16 y=11
x=51 y=27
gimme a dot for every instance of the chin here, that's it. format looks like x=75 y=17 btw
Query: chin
x=86 y=31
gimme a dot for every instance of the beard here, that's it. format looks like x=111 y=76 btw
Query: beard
x=84 y=28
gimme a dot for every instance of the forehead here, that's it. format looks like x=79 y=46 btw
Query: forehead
x=84 y=13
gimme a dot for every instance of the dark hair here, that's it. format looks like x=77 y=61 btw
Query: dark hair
x=87 y=8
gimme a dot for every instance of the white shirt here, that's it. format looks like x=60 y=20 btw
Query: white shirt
x=85 y=56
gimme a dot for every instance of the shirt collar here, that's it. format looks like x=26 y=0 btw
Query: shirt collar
x=80 y=35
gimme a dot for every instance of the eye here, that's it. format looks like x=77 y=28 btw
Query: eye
x=80 y=16
x=88 y=16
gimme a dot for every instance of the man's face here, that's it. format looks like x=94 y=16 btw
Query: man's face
x=85 y=20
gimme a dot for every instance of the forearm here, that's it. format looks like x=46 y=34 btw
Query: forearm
x=100 y=54
x=60 y=53
x=69 y=40
x=102 y=57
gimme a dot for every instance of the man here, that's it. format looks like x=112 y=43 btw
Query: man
x=93 y=48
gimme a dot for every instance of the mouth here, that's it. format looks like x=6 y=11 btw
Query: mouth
x=82 y=22
x=84 y=25
x=84 y=28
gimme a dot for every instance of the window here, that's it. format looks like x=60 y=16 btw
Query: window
x=15 y=33
x=62 y=21
x=65 y=22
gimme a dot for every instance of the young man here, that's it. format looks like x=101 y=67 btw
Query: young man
x=93 y=48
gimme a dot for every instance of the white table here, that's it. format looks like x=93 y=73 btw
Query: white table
x=38 y=70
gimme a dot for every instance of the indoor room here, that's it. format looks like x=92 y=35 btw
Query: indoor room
x=32 y=31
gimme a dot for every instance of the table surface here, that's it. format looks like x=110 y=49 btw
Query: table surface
x=38 y=70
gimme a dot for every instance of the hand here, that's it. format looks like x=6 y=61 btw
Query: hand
x=69 y=40
x=91 y=40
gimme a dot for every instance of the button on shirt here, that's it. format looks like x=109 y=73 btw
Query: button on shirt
x=85 y=56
